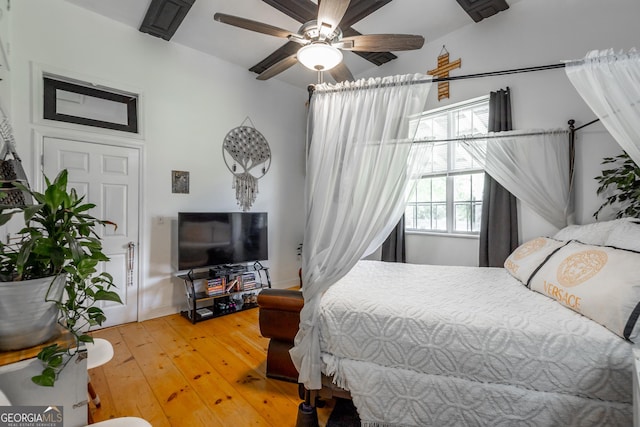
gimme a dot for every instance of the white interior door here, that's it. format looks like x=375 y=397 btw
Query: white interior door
x=109 y=177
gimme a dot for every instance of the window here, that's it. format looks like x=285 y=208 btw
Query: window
x=448 y=196
x=80 y=104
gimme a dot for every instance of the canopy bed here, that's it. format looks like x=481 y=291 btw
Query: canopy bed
x=451 y=345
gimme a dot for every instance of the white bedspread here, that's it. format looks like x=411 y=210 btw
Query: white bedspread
x=434 y=345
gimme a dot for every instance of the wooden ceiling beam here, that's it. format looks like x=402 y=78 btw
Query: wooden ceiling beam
x=481 y=9
x=360 y=9
x=300 y=10
x=163 y=17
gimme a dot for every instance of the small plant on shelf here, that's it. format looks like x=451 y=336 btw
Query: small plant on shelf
x=620 y=185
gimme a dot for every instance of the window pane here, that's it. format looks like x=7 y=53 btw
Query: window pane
x=477 y=186
x=461 y=157
x=477 y=217
x=423 y=189
x=410 y=217
x=481 y=147
x=462 y=122
x=440 y=126
x=461 y=188
x=423 y=217
x=463 y=217
x=480 y=119
x=439 y=158
x=445 y=199
x=439 y=189
x=412 y=195
x=440 y=216
x=424 y=130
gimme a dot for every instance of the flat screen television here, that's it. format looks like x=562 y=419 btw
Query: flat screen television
x=207 y=239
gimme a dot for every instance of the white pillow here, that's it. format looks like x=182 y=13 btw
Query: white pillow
x=529 y=256
x=625 y=235
x=591 y=234
x=599 y=282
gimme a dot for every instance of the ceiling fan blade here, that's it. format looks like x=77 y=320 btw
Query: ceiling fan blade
x=250 y=25
x=330 y=12
x=287 y=49
x=278 y=67
x=340 y=73
x=381 y=42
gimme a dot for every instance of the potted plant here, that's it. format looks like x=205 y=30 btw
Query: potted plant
x=58 y=249
x=620 y=185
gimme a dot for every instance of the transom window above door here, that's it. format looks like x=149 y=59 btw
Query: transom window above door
x=448 y=196
x=89 y=105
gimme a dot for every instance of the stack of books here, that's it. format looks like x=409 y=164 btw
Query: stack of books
x=215 y=286
x=249 y=281
x=233 y=286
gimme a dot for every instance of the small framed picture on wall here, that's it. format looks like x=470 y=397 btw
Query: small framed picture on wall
x=180 y=182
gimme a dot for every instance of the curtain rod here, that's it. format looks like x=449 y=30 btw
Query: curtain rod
x=311 y=88
x=500 y=73
x=491 y=136
x=572 y=122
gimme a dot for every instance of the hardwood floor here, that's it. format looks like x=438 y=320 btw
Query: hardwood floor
x=173 y=373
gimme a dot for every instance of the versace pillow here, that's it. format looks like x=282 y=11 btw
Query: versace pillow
x=599 y=282
x=529 y=256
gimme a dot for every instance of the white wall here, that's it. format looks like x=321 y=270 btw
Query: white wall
x=189 y=103
x=529 y=33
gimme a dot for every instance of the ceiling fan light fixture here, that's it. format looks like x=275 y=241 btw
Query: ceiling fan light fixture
x=319 y=56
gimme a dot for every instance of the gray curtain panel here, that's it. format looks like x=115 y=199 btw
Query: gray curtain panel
x=393 y=249
x=499 y=224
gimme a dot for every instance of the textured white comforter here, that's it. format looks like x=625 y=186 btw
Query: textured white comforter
x=434 y=345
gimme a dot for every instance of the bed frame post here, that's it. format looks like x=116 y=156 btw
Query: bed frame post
x=572 y=149
x=307 y=414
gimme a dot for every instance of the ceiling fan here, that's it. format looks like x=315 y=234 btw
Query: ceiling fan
x=319 y=42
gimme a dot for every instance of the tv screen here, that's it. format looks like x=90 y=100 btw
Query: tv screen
x=215 y=238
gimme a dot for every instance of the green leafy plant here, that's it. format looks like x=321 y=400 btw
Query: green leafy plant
x=620 y=186
x=59 y=238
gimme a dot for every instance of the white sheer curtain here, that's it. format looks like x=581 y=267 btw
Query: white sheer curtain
x=610 y=85
x=359 y=165
x=533 y=165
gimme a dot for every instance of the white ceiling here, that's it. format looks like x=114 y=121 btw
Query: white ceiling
x=431 y=19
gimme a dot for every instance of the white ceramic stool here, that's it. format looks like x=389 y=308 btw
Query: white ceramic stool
x=122 y=422
x=4 y=400
x=99 y=352
x=114 y=422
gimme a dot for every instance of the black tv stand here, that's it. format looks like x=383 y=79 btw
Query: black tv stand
x=221 y=303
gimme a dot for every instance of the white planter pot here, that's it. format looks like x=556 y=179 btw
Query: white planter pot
x=25 y=318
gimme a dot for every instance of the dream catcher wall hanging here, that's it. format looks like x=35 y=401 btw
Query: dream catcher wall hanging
x=245 y=149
